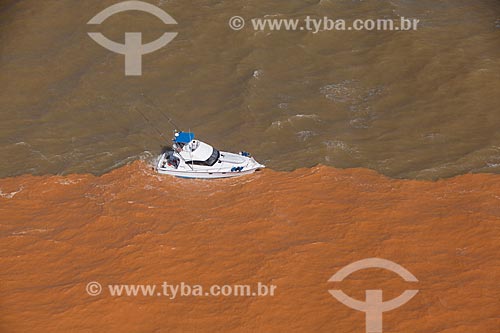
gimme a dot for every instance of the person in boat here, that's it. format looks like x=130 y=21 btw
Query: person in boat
x=178 y=147
x=172 y=160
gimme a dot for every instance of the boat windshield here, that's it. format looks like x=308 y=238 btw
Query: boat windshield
x=210 y=161
x=213 y=158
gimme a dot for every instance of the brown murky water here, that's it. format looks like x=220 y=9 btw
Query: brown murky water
x=419 y=104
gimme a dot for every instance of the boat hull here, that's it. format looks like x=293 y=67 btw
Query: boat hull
x=229 y=165
x=205 y=175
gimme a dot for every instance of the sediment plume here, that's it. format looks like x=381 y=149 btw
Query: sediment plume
x=293 y=230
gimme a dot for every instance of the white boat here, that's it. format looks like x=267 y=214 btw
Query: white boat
x=190 y=158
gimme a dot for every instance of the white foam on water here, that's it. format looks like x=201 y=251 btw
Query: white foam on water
x=10 y=195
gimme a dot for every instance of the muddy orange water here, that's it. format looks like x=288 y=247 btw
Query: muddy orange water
x=293 y=230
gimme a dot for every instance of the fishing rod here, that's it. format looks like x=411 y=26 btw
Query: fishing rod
x=160 y=133
x=177 y=128
x=150 y=123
